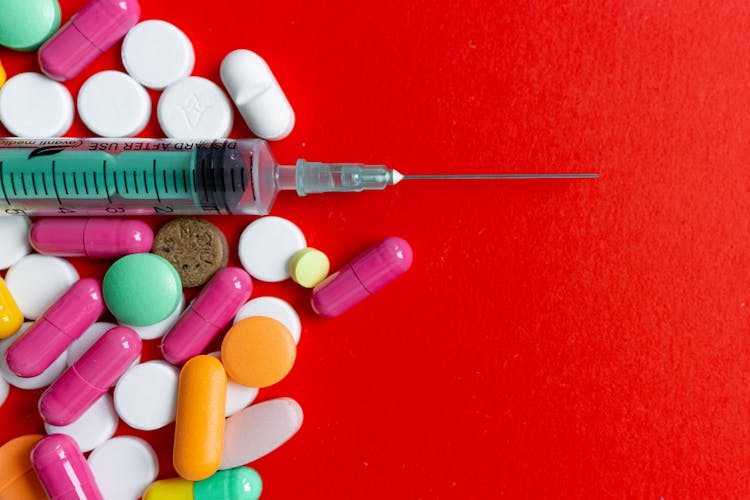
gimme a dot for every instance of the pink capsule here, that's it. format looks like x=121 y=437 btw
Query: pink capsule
x=95 y=238
x=91 y=31
x=364 y=275
x=210 y=311
x=90 y=377
x=63 y=470
x=56 y=329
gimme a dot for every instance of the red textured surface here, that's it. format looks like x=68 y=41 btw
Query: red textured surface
x=560 y=339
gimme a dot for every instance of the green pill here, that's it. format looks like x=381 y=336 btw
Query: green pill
x=141 y=289
x=241 y=483
x=27 y=24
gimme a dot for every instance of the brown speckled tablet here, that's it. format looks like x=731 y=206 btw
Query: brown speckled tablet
x=196 y=248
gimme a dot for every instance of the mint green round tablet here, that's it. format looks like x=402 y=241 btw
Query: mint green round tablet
x=141 y=289
x=27 y=24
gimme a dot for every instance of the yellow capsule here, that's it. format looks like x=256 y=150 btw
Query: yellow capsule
x=170 y=489
x=11 y=318
x=2 y=75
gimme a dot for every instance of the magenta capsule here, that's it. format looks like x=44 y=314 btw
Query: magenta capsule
x=95 y=238
x=210 y=311
x=90 y=32
x=90 y=377
x=63 y=470
x=61 y=324
x=364 y=275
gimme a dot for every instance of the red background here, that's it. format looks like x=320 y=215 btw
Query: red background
x=559 y=339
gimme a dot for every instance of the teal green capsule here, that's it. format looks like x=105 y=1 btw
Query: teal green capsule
x=27 y=24
x=240 y=483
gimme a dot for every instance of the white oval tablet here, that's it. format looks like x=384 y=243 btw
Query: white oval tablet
x=43 y=379
x=95 y=426
x=112 y=104
x=85 y=341
x=195 y=108
x=32 y=105
x=124 y=467
x=258 y=430
x=274 y=308
x=15 y=239
x=257 y=94
x=4 y=390
x=266 y=246
x=146 y=395
x=159 y=329
x=238 y=396
x=37 y=281
x=156 y=54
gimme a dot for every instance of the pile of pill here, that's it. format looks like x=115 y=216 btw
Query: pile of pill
x=83 y=337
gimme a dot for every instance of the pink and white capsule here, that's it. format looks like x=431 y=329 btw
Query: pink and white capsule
x=90 y=377
x=96 y=237
x=56 y=329
x=63 y=470
x=211 y=310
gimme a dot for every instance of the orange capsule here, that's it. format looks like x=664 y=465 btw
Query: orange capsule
x=199 y=426
x=11 y=318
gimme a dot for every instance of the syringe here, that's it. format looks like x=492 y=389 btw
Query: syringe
x=162 y=176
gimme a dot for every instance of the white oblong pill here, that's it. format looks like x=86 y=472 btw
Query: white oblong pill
x=124 y=467
x=4 y=390
x=266 y=246
x=258 y=430
x=158 y=330
x=37 y=281
x=257 y=94
x=146 y=395
x=43 y=379
x=274 y=308
x=86 y=340
x=156 y=54
x=15 y=237
x=239 y=396
x=112 y=104
x=195 y=108
x=32 y=105
x=94 y=427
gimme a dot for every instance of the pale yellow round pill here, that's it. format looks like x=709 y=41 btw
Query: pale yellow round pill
x=309 y=267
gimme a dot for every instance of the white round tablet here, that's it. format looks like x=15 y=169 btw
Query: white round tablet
x=32 y=105
x=86 y=340
x=95 y=426
x=43 y=379
x=267 y=245
x=4 y=390
x=195 y=108
x=239 y=396
x=274 y=308
x=15 y=236
x=37 y=281
x=159 y=329
x=157 y=54
x=124 y=467
x=258 y=430
x=146 y=395
x=112 y=104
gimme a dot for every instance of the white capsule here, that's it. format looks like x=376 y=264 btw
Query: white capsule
x=257 y=94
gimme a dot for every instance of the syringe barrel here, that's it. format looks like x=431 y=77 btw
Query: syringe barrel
x=136 y=177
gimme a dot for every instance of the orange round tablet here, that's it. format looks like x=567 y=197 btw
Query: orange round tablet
x=18 y=480
x=258 y=351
